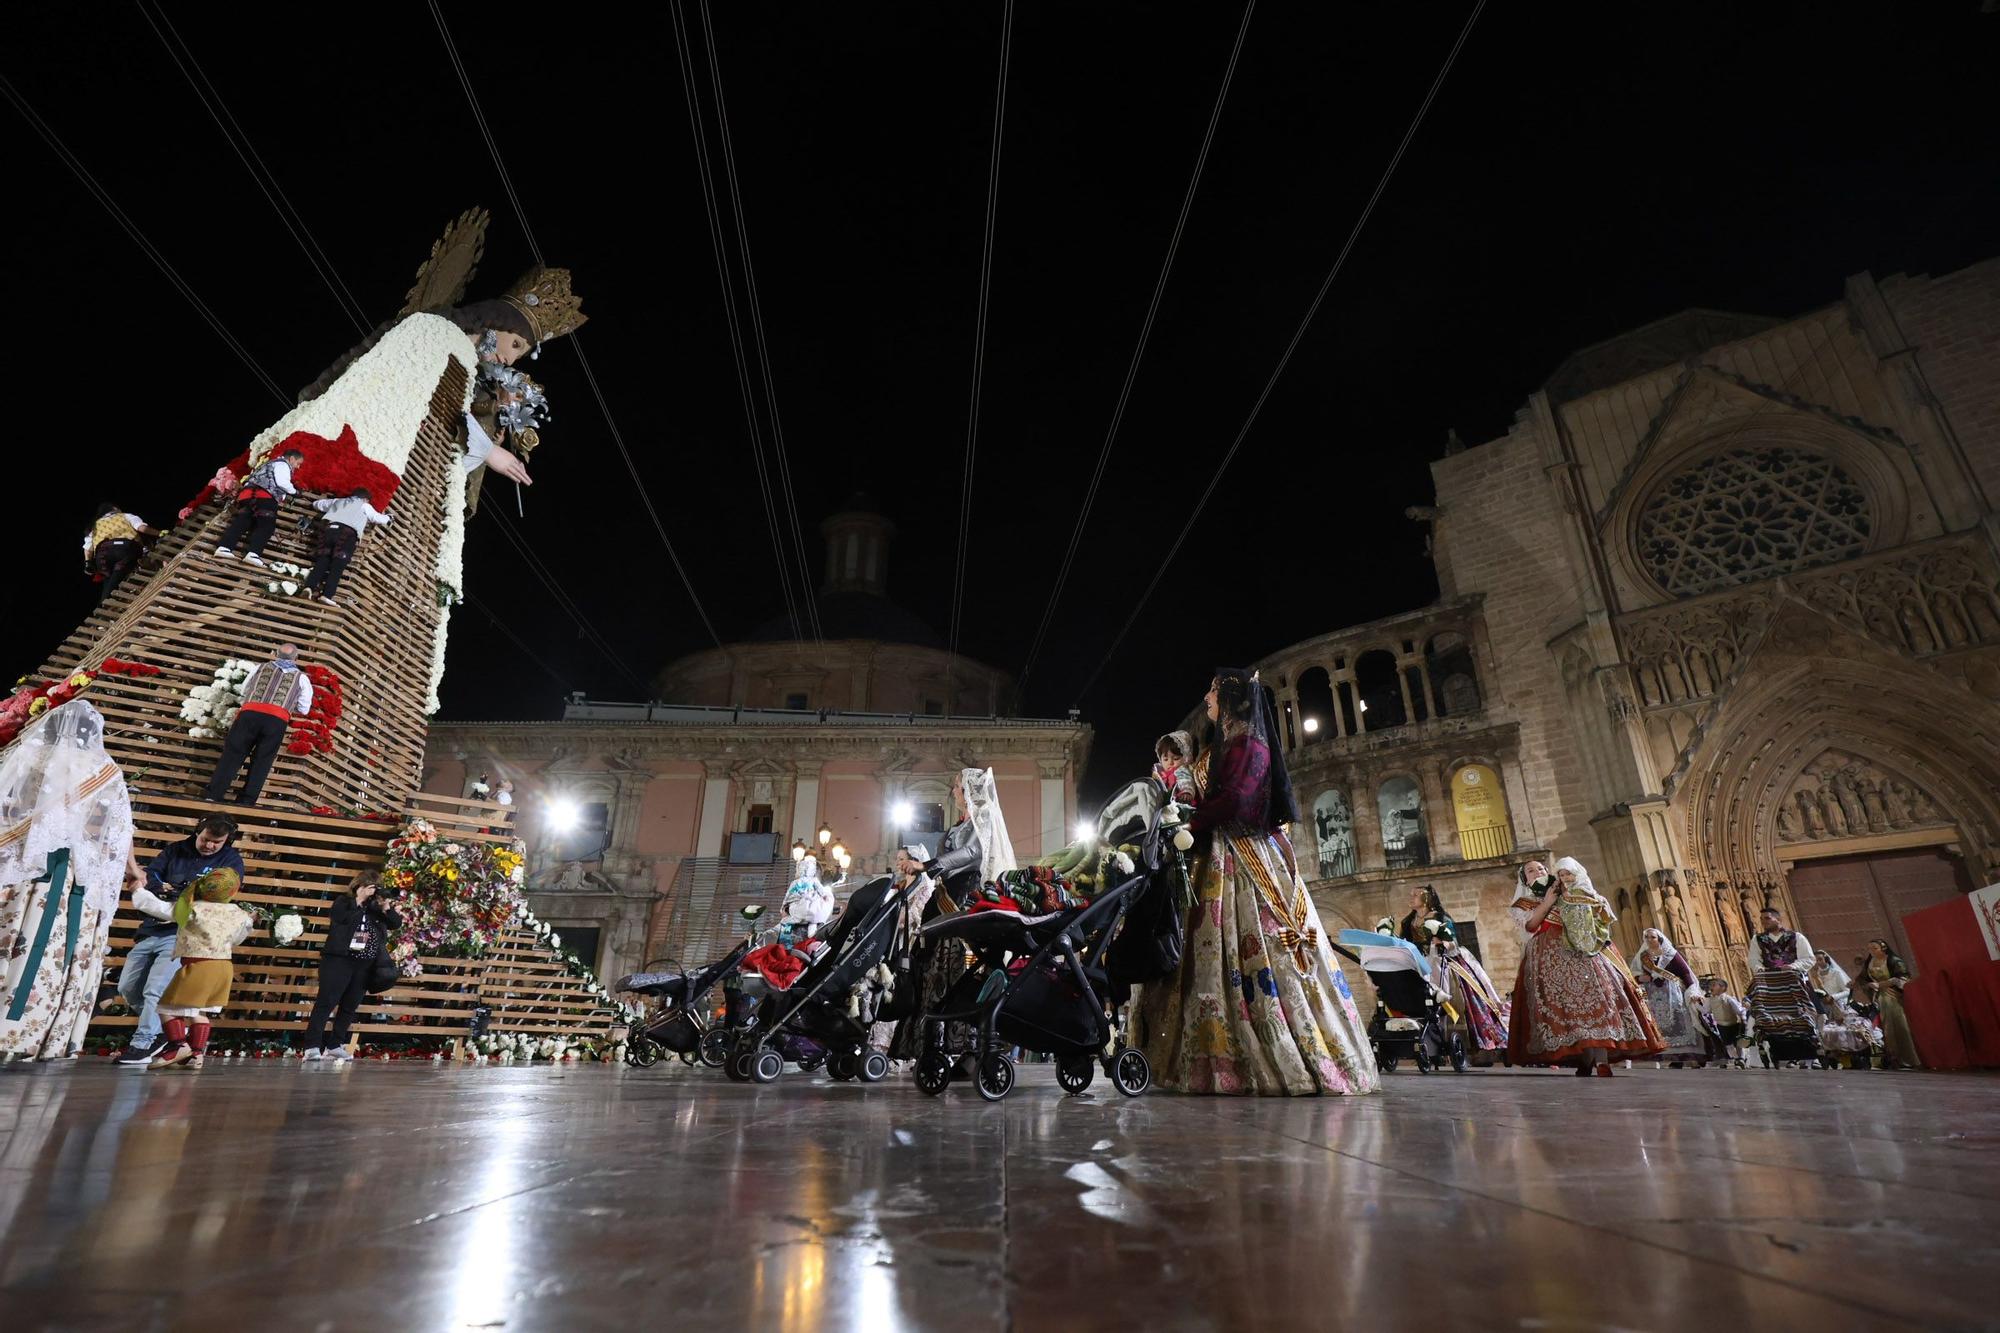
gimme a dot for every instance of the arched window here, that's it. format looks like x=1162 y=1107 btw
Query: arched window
x=1479 y=808
x=1401 y=807
x=1333 y=826
x=1315 y=706
x=1381 y=691
x=1454 y=682
x=1746 y=514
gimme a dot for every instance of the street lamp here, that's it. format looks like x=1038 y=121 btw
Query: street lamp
x=830 y=848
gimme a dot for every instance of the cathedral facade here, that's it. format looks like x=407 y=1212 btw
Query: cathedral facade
x=1719 y=617
x=649 y=824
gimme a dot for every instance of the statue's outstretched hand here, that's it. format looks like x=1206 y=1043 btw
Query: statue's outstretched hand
x=508 y=465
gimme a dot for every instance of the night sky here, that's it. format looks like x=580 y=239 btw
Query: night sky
x=1586 y=169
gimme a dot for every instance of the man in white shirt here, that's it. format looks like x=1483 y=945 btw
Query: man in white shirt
x=257 y=499
x=346 y=521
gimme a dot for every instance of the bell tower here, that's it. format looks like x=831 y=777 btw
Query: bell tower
x=857 y=549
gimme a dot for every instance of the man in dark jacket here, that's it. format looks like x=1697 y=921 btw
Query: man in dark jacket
x=151 y=964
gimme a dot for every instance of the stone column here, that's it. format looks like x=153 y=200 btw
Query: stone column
x=1440 y=826
x=714 y=810
x=805 y=803
x=1054 y=823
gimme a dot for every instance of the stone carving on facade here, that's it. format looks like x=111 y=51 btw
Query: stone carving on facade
x=1920 y=602
x=1684 y=653
x=1842 y=796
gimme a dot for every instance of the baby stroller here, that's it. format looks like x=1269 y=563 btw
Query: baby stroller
x=826 y=1013
x=1410 y=1013
x=684 y=1024
x=1058 y=995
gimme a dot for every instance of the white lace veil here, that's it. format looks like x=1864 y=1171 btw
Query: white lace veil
x=996 y=849
x=59 y=789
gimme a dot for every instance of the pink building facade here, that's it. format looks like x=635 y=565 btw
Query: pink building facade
x=646 y=822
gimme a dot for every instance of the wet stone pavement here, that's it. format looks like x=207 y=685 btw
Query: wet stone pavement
x=402 y=1196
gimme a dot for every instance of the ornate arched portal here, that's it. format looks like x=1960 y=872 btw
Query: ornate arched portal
x=1835 y=751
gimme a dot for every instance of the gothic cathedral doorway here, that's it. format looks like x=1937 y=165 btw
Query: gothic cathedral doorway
x=1845 y=901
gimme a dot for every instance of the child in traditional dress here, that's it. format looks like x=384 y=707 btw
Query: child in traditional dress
x=210 y=928
x=1729 y=1016
x=1173 y=766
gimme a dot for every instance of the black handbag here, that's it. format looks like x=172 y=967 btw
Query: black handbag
x=382 y=972
x=1149 y=945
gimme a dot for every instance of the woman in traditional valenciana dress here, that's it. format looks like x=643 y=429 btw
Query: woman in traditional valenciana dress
x=65 y=852
x=1670 y=986
x=1259 y=1006
x=1482 y=1010
x=1574 y=1002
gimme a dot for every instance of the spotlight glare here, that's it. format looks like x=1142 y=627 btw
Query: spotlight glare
x=564 y=815
x=904 y=814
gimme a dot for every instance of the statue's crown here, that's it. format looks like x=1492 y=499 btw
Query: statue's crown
x=544 y=296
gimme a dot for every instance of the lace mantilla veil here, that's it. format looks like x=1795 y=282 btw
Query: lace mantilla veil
x=996 y=849
x=60 y=789
x=1247 y=711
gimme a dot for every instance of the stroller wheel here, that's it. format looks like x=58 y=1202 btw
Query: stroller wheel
x=1388 y=1063
x=1132 y=1073
x=646 y=1052
x=843 y=1067
x=996 y=1076
x=810 y=1063
x=1457 y=1056
x=738 y=1067
x=933 y=1074
x=1074 y=1072
x=1424 y=1061
x=767 y=1067
x=874 y=1067
x=714 y=1047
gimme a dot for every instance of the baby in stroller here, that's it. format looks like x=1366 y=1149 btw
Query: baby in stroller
x=1413 y=1016
x=1046 y=978
x=847 y=983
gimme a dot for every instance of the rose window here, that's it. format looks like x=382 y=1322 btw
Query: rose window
x=1748 y=514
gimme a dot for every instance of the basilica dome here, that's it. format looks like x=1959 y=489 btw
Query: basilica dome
x=873 y=655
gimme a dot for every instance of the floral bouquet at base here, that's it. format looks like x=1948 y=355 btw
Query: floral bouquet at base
x=455 y=898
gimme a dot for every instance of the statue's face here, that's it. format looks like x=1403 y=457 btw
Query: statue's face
x=508 y=347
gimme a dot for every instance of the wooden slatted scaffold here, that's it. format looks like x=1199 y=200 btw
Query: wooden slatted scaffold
x=330 y=813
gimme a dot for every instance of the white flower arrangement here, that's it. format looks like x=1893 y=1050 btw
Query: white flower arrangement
x=209 y=709
x=288 y=928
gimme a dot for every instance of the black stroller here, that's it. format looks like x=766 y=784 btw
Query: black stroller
x=826 y=1013
x=1059 y=994
x=1409 y=1013
x=684 y=1024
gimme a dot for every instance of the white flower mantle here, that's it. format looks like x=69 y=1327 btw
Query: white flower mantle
x=384 y=397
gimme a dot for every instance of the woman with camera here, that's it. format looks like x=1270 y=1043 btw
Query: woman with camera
x=356 y=948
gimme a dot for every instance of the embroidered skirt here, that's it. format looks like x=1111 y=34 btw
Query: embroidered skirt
x=201 y=986
x=1259 y=1006
x=1568 y=1005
